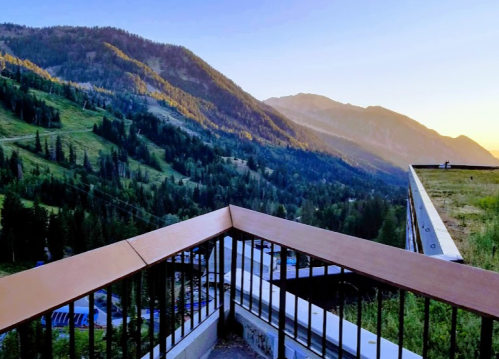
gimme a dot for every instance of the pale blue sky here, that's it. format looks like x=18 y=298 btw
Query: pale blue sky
x=435 y=61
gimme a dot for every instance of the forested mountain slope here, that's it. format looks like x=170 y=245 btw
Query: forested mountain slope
x=116 y=60
x=132 y=68
x=106 y=177
x=387 y=134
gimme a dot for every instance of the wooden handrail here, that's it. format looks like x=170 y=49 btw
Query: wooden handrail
x=165 y=242
x=28 y=294
x=462 y=286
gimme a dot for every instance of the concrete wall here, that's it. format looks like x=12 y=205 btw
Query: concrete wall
x=435 y=239
x=368 y=339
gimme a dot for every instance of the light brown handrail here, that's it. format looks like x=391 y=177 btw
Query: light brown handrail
x=26 y=295
x=155 y=246
x=465 y=287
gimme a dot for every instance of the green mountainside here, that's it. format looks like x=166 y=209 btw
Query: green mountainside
x=116 y=60
x=98 y=159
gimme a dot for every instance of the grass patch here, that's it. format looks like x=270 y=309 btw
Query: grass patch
x=468 y=202
x=467 y=329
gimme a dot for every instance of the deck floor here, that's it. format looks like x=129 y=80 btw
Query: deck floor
x=234 y=347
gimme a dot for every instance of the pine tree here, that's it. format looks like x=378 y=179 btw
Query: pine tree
x=388 y=233
x=47 y=151
x=86 y=163
x=15 y=165
x=12 y=223
x=281 y=211
x=72 y=155
x=38 y=145
x=59 y=152
x=252 y=163
x=56 y=236
x=2 y=157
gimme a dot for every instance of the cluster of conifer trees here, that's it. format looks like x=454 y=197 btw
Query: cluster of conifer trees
x=96 y=207
x=27 y=107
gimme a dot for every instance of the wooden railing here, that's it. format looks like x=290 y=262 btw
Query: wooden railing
x=36 y=292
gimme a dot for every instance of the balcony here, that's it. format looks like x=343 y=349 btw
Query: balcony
x=290 y=290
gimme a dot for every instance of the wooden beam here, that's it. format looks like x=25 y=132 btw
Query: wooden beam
x=28 y=294
x=462 y=286
x=165 y=242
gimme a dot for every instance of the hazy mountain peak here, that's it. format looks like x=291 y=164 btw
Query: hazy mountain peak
x=390 y=135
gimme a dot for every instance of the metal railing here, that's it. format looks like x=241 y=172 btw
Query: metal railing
x=162 y=270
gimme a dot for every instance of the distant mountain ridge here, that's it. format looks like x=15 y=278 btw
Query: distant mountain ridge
x=390 y=135
x=168 y=76
x=495 y=153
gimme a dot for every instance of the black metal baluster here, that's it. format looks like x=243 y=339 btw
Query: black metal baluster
x=91 y=325
x=162 y=267
x=48 y=335
x=200 y=274
x=378 y=324
x=426 y=329
x=261 y=280
x=72 y=353
x=221 y=273
x=151 y=278
x=486 y=338
x=453 y=329
x=271 y=280
x=191 y=280
x=233 y=280
x=310 y=289
x=297 y=275
x=401 y=321
x=207 y=284
x=359 y=323
x=181 y=302
x=252 y=256
x=282 y=305
x=109 y=322
x=215 y=268
x=342 y=305
x=172 y=302
x=243 y=255
x=324 y=317
x=138 y=298
x=124 y=303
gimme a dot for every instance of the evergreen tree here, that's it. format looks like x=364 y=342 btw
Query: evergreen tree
x=59 y=151
x=72 y=155
x=86 y=163
x=47 y=151
x=56 y=236
x=38 y=144
x=388 y=233
x=2 y=157
x=15 y=165
x=37 y=230
x=12 y=225
x=281 y=211
x=252 y=163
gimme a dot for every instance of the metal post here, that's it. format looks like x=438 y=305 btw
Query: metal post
x=221 y=281
x=486 y=338
x=281 y=352
x=233 y=268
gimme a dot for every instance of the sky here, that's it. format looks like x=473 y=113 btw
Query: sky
x=434 y=61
